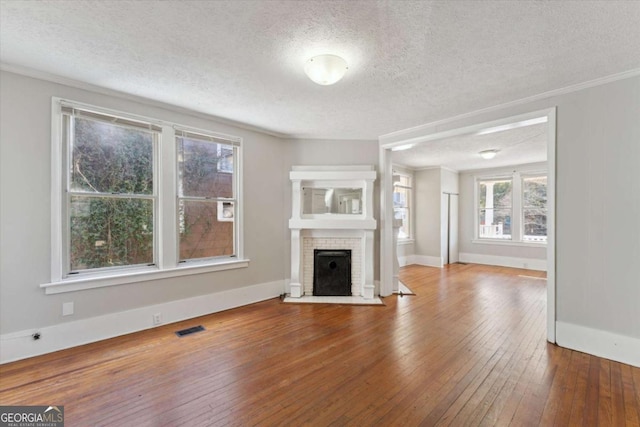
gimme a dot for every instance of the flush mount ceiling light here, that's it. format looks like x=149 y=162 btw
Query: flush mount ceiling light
x=325 y=69
x=488 y=154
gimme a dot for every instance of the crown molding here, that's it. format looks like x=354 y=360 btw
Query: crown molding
x=54 y=78
x=427 y=127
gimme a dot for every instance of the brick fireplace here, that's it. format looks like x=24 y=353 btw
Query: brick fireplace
x=332 y=209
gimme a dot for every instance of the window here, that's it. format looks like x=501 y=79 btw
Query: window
x=534 y=208
x=512 y=208
x=110 y=194
x=495 y=208
x=402 y=189
x=206 y=197
x=120 y=208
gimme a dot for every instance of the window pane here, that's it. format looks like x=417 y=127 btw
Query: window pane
x=205 y=169
x=400 y=197
x=494 y=223
x=535 y=224
x=498 y=193
x=106 y=158
x=403 y=214
x=535 y=192
x=206 y=229
x=109 y=232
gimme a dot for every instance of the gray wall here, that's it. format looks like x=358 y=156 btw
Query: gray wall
x=467 y=217
x=598 y=207
x=428 y=199
x=25 y=207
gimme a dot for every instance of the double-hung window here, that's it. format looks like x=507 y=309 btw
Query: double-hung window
x=512 y=208
x=402 y=189
x=495 y=208
x=139 y=198
x=206 y=196
x=534 y=208
x=111 y=198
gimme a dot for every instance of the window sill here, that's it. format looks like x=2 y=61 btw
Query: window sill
x=498 y=242
x=90 y=282
x=406 y=241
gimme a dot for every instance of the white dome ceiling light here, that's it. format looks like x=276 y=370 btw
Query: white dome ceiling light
x=326 y=69
x=488 y=154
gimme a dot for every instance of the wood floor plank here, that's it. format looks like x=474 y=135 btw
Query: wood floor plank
x=468 y=349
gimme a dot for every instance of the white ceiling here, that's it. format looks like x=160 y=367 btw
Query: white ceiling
x=410 y=62
x=516 y=147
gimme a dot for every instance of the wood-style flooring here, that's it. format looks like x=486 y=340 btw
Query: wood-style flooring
x=468 y=349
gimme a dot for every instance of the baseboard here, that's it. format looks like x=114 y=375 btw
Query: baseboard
x=405 y=260
x=504 y=261
x=620 y=348
x=20 y=345
x=425 y=260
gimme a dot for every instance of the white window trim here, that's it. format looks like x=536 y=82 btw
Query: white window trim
x=411 y=238
x=516 y=178
x=165 y=171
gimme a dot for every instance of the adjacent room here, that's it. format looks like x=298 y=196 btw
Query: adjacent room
x=320 y=213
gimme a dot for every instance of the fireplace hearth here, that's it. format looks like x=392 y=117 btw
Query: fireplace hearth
x=331 y=272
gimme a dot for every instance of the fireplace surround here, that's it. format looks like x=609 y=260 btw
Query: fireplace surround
x=332 y=209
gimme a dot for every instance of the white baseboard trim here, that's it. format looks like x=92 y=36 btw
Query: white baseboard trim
x=425 y=260
x=20 y=345
x=405 y=260
x=620 y=348
x=504 y=261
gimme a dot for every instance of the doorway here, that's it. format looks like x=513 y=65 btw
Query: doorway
x=431 y=132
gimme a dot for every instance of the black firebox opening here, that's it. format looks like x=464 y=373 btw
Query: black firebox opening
x=331 y=272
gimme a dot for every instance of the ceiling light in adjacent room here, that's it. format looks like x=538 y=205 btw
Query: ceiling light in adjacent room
x=488 y=154
x=326 y=69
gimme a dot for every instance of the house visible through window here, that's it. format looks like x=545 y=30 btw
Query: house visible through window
x=114 y=211
x=206 y=197
x=402 y=189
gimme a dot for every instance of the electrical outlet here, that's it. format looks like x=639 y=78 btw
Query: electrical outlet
x=67 y=308
x=157 y=318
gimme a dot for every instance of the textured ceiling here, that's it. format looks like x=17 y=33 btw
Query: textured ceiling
x=517 y=146
x=410 y=62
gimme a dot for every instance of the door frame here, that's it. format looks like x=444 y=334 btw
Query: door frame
x=431 y=132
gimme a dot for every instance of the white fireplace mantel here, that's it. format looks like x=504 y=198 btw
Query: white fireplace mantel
x=338 y=230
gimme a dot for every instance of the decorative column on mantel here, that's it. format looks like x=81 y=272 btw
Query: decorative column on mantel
x=357 y=223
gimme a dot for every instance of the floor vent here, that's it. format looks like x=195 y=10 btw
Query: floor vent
x=462 y=263
x=189 y=331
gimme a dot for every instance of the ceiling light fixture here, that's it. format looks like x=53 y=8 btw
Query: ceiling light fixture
x=326 y=69
x=488 y=154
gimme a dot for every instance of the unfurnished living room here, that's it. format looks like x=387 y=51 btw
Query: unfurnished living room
x=345 y=213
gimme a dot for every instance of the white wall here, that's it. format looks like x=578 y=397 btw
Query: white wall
x=25 y=220
x=498 y=254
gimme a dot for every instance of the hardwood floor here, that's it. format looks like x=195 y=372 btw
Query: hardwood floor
x=468 y=349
